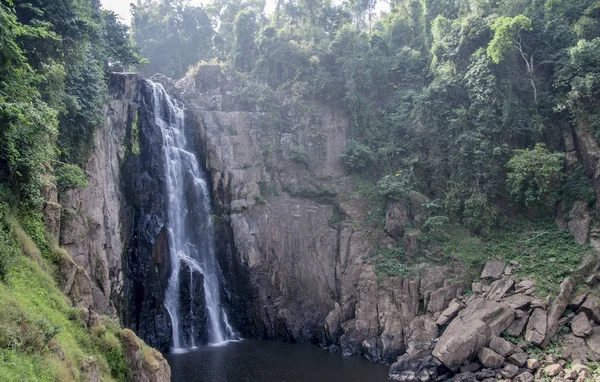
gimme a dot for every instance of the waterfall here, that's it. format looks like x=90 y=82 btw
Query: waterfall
x=190 y=233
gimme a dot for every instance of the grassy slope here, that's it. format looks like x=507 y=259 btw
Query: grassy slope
x=32 y=309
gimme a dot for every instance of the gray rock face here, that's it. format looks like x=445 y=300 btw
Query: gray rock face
x=471 y=330
x=580 y=222
x=500 y=346
x=591 y=307
x=92 y=229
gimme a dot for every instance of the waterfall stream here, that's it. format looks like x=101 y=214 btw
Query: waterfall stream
x=190 y=235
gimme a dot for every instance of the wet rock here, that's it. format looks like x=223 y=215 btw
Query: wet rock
x=591 y=307
x=471 y=330
x=333 y=324
x=518 y=359
x=557 y=309
x=418 y=367
x=490 y=358
x=581 y=325
x=493 y=269
x=536 y=327
x=500 y=346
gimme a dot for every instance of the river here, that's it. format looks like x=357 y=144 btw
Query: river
x=270 y=361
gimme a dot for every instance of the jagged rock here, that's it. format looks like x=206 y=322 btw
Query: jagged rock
x=581 y=325
x=591 y=307
x=420 y=367
x=518 y=359
x=465 y=377
x=553 y=370
x=499 y=288
x=448 y=314
x=524 y=377
x=500 y=346
x=516 y=328
x=518 y=301
x=396 y=219
x=509 y=371
x=536 y=327
x=593 y=341
x=580 y=222
x=526 y=286
x=146 y=365
x=533 y=364
x=571 y=374
x=493 y=269
x=538 y=303
x=333 y=324
x=485 y=374
x=574 y=347
x=557 y=309
x=471 y=330
x=577 y=301
x=477 y=287
x=490 y=358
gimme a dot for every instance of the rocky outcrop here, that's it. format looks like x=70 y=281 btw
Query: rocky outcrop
x=145 y=363
x=91 y=226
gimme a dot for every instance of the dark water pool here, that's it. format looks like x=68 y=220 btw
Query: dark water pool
x=267 y=361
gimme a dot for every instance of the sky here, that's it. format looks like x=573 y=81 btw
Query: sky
x=121 y=7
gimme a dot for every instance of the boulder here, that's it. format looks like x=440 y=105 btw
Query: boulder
x=449 y=313
x=518 y=359
x=577 y=301
x=536 y=327
x=494 y=269
x=533 y=364
x=581 y=325
x=558 y=308
x=593 y=341
x=518 y=301
x=145 y=364
x=418 y=367
x=524 y=377
x=590 y=306
x=553 y=370
x=500 y=346
x=490 y=358
x=471 y=330
x=509 y=371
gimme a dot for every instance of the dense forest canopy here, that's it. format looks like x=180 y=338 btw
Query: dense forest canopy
x=464 y=100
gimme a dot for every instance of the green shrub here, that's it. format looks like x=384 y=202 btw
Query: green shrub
x=534 y=176
x=479 y=214
x=298 y=154
x=357 y=156
x=577 y=186
x=394 y=186
x=389 y=263
x=70 y=176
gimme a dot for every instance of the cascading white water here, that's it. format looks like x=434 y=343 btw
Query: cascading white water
x=189 y=224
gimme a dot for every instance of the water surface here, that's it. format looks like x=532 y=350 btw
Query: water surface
x=269 y=361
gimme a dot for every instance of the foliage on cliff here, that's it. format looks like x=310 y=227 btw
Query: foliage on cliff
x=53 y=65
